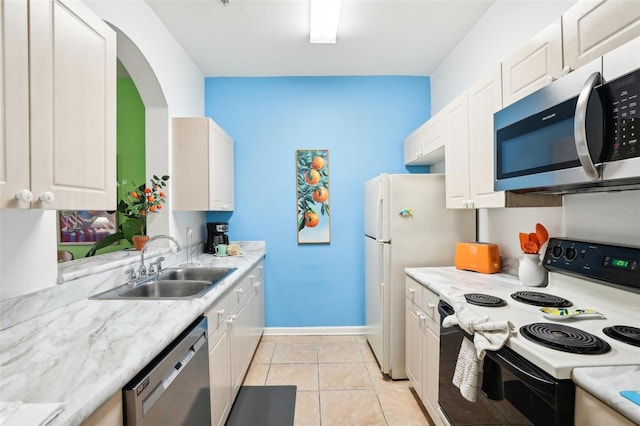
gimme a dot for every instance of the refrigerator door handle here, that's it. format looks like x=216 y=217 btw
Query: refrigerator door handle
x=381 y=267
x=379 y=210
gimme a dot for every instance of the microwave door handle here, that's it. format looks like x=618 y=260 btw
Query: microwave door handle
x=580 y=127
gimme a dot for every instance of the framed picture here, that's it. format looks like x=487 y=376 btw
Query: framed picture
x=85 y=226
x=312 y=193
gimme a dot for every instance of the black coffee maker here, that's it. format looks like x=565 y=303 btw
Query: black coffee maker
x=216 y=234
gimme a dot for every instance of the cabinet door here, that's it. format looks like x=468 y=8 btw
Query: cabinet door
x=108 y=414
x=592 y=28
x=221 y=171
x=202 y=164
x=73 y=91
x=425 y=146
x=190 y=156
x=413 y=325
x=14 y=103
x=432 y=141
x=430 y=371
x=590 y=411
x=239 y=346
x=412 y=147
x=257 y=308
x=260 y=296
x=534 y=65
x=220 y=375
x=485 y=98
x=456 y=160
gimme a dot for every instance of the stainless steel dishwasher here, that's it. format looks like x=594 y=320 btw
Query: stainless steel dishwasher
x=174 y=388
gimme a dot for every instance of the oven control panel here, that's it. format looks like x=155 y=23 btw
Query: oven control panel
x=605 y=262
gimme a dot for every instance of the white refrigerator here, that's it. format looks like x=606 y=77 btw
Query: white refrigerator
x=406 y=225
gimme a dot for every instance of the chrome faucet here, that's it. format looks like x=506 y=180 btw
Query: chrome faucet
x=142 y=271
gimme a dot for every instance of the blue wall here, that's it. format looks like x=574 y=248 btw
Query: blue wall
x=362 y=121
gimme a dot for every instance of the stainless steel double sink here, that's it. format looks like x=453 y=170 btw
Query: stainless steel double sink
x=170 y=284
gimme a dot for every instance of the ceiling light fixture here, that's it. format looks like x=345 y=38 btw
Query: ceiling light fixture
x=324 y=17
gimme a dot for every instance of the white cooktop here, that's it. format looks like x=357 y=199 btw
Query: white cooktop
x=619 y=307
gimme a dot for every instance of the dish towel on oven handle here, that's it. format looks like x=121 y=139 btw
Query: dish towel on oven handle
x=487 y=336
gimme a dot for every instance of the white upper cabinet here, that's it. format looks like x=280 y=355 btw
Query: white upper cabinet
x=202 y=166
x=69 y=93
x=591 y=28
x=456 y=160
x=425 y=146
x=484 y=99
x=534 y=65
x=469 y=145
x=14 y=105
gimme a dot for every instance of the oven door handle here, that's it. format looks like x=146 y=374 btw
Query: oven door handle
x=531 y=375
x=580 y=127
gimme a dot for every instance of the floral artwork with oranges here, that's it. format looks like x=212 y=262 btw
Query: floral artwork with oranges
x=312 y=182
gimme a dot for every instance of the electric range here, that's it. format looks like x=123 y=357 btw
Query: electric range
x=583 y=275
x=528 y=381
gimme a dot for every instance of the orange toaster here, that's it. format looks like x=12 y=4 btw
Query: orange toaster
x=478 y=257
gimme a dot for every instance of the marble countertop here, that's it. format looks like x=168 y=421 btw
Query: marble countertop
x=447 y=279
x=605 y=383
x=81 y=354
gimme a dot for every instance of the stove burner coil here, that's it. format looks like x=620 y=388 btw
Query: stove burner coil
x=541 y=299
x=624 y=333
x=564 y=338
x=480 y=299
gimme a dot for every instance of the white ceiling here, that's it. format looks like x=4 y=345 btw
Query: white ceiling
x=271 y=37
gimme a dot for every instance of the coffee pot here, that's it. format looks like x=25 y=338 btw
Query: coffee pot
x=216 y=234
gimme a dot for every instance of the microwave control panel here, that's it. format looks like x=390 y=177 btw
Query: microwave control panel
x=625 y=99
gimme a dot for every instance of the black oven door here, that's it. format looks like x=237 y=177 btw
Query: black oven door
x=514 y=391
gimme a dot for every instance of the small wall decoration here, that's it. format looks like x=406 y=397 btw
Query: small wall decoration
x=85 y=226
x=312 y=184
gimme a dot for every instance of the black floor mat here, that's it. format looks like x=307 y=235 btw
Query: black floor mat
x=263 y=406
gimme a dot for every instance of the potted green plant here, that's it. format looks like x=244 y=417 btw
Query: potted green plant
x=136 y=205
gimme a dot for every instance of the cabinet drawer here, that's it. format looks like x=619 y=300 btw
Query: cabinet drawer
x=241 y=290
x=218 y=313
x=413 y=291
x=430 y=304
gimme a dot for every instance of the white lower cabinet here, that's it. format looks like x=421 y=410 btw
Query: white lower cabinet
x=109 y=414
x=236 y=322
x=423 y=344
x=413 y=329
x=220 y=375
x=430 y=369
x=590 y=411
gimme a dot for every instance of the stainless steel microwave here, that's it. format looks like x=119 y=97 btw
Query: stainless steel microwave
x=578 y=134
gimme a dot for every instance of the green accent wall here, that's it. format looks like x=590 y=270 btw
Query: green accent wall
x=130 y=152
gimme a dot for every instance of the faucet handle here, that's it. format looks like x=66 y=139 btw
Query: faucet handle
x=132 y=276
x=158 y=263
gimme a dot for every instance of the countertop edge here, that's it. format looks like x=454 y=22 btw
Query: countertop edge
x=100 y=332
x=605 y=383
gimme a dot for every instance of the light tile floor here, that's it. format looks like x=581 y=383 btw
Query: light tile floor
x=338 y=382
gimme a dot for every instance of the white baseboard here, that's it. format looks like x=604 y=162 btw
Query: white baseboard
x=313 y=331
